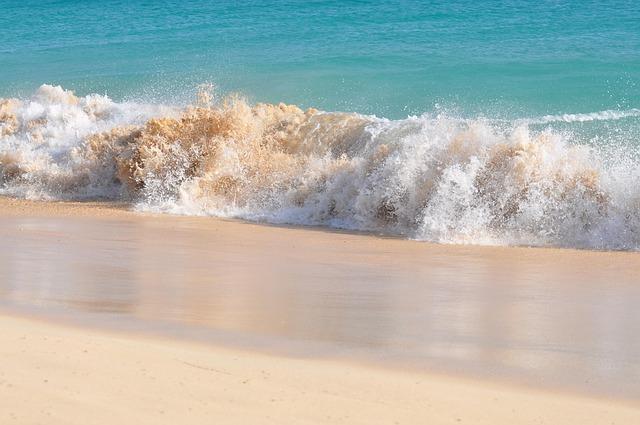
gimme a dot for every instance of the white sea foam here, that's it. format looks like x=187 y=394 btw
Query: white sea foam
x=609 y=115
x=42 y=138
x=433 y=178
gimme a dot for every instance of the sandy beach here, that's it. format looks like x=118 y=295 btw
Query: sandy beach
x=334 y=212
x=68 y=375
x=85 y=368
x=92 y=353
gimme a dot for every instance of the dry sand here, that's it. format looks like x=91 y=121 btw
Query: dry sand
x=50 y=374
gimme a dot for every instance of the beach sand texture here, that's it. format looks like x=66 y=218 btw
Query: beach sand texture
x=52 y=374
x=66 y=373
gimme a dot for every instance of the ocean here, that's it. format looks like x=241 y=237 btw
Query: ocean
x=494 y=122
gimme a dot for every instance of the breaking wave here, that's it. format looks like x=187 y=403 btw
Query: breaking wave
x=432 y=177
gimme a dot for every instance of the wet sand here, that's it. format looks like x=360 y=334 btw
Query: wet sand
x=557 y=320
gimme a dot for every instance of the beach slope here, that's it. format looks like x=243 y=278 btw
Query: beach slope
x=55 y=374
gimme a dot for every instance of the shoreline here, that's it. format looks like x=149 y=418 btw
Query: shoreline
x=88 y=377
x=17 y=207
x=58 y=232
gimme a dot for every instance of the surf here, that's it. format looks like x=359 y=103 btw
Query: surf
x=432 y=177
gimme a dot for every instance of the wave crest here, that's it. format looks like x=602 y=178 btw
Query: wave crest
x=431 y=177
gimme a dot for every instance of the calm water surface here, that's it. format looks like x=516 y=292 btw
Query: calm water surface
x=498 y=58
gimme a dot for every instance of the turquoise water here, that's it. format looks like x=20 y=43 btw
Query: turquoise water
x=488 y=122
x=394 y=58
